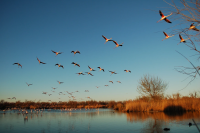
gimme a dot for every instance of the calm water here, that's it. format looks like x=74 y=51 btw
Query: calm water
x=96 y=121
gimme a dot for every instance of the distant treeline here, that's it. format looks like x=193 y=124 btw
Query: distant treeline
x=145 y=104
x=57 y=105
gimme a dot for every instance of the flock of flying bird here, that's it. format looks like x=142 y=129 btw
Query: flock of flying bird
x=80 y=73
x=163 y=17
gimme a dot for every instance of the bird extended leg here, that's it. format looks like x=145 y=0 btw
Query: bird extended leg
x=159 y=20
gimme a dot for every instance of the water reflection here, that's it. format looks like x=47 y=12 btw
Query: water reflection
x=25 y=119
x=143 y=116
x=157 y=121
x=153 y=125
x=102 y=120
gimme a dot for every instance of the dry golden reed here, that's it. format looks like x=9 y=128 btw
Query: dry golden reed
x=181 y=104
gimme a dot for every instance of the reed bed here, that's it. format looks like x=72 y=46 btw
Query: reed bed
x=166 y=105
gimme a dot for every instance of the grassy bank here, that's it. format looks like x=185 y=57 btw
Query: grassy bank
x=166 y=105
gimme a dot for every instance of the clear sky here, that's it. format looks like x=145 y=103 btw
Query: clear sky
x=31 y=29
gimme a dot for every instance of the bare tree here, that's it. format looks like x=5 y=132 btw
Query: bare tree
x=152 y=87
x=187 y=13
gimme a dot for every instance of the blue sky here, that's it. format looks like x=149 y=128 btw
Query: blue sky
x=31 y=29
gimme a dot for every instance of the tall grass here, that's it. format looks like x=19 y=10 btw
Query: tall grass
x=177 y=105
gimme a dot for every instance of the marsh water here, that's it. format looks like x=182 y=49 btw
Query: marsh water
x=96 y=121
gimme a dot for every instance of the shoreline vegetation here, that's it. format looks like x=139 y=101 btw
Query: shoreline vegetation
x=142 y=104
x=166 y=105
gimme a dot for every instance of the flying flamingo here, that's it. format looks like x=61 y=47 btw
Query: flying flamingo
x=69 y=93
x=106 y=39
x=14 y=98
x=18 y=64
x=80 y=73
x=54 y=88
x=97 y=86
x=182 y=40
x=164 y=17
x=28 y=84
x=40 y=61
x=91 y=69
x=112 y=72
x=59 y=66
x=75 y=64
x=44 y=92
x=166 y=36
x=117 y=45
x=100 y=69
x=128 y=71
x=89 y=73
x=111 y=82
x=60 y=82
x=118 y=81
x=75 y=52
x=57 y=52
x=106 y=85
x=193 y=27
